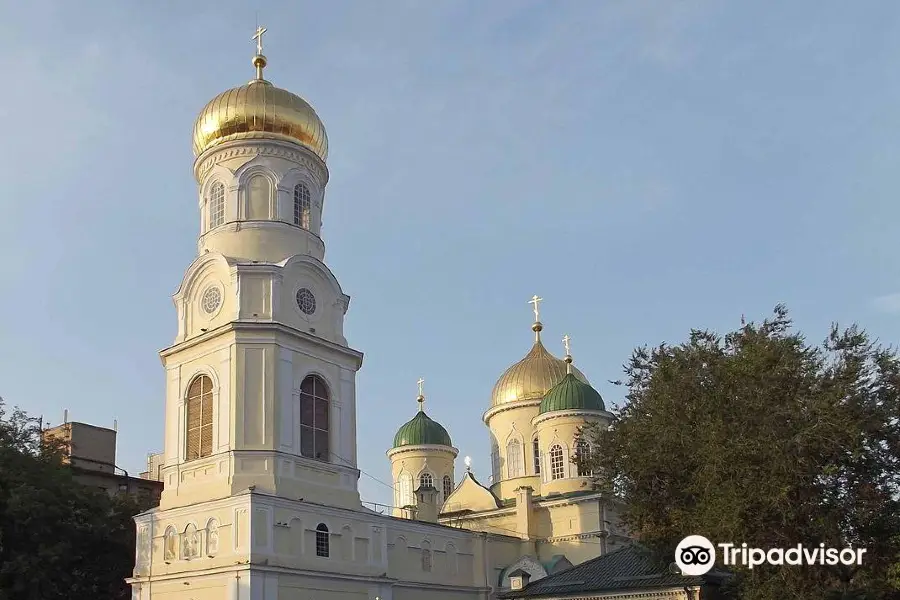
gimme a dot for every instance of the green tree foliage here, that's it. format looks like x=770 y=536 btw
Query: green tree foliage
x=759 y=437
x=58 y=539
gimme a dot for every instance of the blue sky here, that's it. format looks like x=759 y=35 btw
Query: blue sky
x=646 y=167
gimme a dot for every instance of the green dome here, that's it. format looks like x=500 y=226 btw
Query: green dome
x=422 y=429
x=572 y=394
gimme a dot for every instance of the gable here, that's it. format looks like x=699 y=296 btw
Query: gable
x=470 y=495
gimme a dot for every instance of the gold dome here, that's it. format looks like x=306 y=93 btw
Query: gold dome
x=532 y=377
x=259 y=110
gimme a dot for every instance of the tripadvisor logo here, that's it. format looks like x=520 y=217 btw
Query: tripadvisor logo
x=696 y=555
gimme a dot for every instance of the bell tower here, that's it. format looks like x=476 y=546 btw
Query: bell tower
x=260 y=381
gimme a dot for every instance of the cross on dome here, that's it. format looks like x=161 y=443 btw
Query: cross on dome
x=258 y=37
x=421 y=397
x=566 y=340
x=537 y=308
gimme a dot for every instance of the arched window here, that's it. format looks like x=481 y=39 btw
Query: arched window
x=199 y=418
x=216 y=205
x=259 y=193
x=426 y=556
x=314 y=399
x=495 y=461
x=537 y=456
x=405 y=491
x=557 y=465
x=448 y=487
x=514 y=458
x=301 y=205
x=426 y=480
x=322 y=542
x=583 y=453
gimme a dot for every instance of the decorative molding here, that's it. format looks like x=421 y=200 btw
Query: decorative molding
x=206 y=161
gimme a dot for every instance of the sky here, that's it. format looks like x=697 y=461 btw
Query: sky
x=645 y=167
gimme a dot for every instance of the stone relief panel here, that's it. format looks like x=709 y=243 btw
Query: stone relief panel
x=212 y=537
x=170 y=544
x=190 y=542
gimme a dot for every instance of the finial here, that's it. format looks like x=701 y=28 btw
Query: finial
x=536 y=327
x=568 y=357
x=421 y=397
x=259 y=61
x=468 y=462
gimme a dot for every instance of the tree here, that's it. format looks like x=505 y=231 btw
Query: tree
x=58 y=539
x=758 y=437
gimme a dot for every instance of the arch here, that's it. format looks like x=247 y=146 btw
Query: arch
x=426 y=480
x=302 y=205
x=536 y=455
x=215 y=205
x=323 y=542
x=426 y=555
x=557 y=462
x=514 y=458
x=190 y=542
x=495 y=459
x=447 y=486
x=405 y=490
x=315 y=399
x=212 y=537
x=170 y=544
x=259 y=198
x=199 y=418
x=582 y=452
x=452 y=562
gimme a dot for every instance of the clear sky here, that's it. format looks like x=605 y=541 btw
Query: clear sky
x=645 y=167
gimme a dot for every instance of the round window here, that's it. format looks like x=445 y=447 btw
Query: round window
x=212 y=298
x=306 y=302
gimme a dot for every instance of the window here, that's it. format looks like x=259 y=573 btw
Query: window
x=322 y=541
x=199 y=418
x=537 y=456
x=301 y=205
x=495 y=461
x=426 y=480
x=583 y=453
x=514 y=459
x=557 y=467
x=426 y=556
x=314 y=418
x=448 y=487
x=216 y=205
x=259 y=192
x=405 y=491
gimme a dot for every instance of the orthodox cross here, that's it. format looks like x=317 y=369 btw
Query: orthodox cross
x=258 y=37
x=566 y=340
x=421 y=383
x=537 y=309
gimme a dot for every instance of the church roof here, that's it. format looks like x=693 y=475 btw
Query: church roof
x=630 y=568
x=532 y=377
x=259 y=110
x=422 y=430
x=572 y=394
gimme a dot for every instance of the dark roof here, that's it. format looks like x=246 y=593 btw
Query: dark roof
x=629 y=568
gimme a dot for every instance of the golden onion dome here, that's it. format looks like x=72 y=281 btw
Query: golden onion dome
x=259 y=110
x=533 y=376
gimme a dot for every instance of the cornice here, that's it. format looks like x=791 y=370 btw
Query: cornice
x=581 y=412
x=269 y=331
x=489 y=413
x=295 y=153
x=423 y=448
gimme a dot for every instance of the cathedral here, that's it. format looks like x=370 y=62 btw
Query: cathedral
x=260 y=497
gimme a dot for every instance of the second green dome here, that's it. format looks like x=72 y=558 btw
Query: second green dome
x=572 y=394
x=422 y=430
